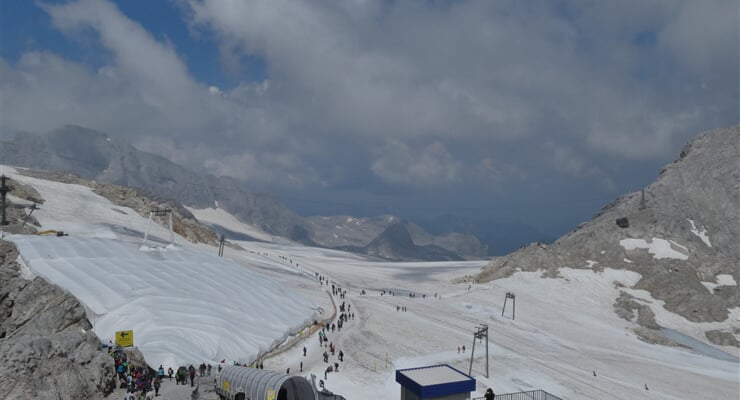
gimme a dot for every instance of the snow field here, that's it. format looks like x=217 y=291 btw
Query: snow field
x=186 y=304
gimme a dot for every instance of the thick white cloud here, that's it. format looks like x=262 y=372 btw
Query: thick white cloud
x=432 y=165
x=410 y=90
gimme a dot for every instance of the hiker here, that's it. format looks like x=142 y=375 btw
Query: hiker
x=301 y=366
x=463 y=348
x=160 y=372
x=209 y=369
x=169 y=373
x=336 y=366
x=341 y=356
x=157 y=385
x=191 y=373
x=304 y=351
x=489 y=394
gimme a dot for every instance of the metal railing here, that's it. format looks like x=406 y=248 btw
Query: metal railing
x=530 y=395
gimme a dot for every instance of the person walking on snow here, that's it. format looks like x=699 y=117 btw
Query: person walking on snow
x=489 y=394
x=191 y=373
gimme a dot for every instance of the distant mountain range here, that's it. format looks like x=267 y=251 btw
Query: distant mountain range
x=682 y=236
x=96 y=156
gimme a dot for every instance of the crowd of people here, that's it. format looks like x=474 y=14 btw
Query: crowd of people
x=139 y=381
x=144 y=383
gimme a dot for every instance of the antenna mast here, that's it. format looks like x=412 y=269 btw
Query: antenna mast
x=4 y=189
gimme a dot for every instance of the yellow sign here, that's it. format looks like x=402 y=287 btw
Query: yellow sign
x=125 y=338
x=270 y=394
x=226 y=385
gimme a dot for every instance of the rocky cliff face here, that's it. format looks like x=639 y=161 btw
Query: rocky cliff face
x=692 y=213
x=47 y=347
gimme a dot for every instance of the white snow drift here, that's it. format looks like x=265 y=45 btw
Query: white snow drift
x=659 y=248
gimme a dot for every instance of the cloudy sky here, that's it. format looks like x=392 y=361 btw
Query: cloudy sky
x=531 y=111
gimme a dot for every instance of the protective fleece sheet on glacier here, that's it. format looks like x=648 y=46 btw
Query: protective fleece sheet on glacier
x=183 y=306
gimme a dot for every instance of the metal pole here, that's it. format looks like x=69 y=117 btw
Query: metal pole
x=472 y=354
x=146 y=234
x=487 y=351
x=172 y=232
x=513 y=303
x=504 y=309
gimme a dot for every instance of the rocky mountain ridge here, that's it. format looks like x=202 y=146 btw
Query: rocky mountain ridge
x=361 y=235
x=396 y=243
x=96 y=156
x=682 y=237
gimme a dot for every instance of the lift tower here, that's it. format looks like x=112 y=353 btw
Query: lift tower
x=481 y=332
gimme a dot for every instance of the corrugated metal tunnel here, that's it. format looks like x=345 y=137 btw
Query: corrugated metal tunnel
x=244 y=383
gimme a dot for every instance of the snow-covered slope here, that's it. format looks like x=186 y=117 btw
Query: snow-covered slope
x=220 y=219
x=184 y=304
